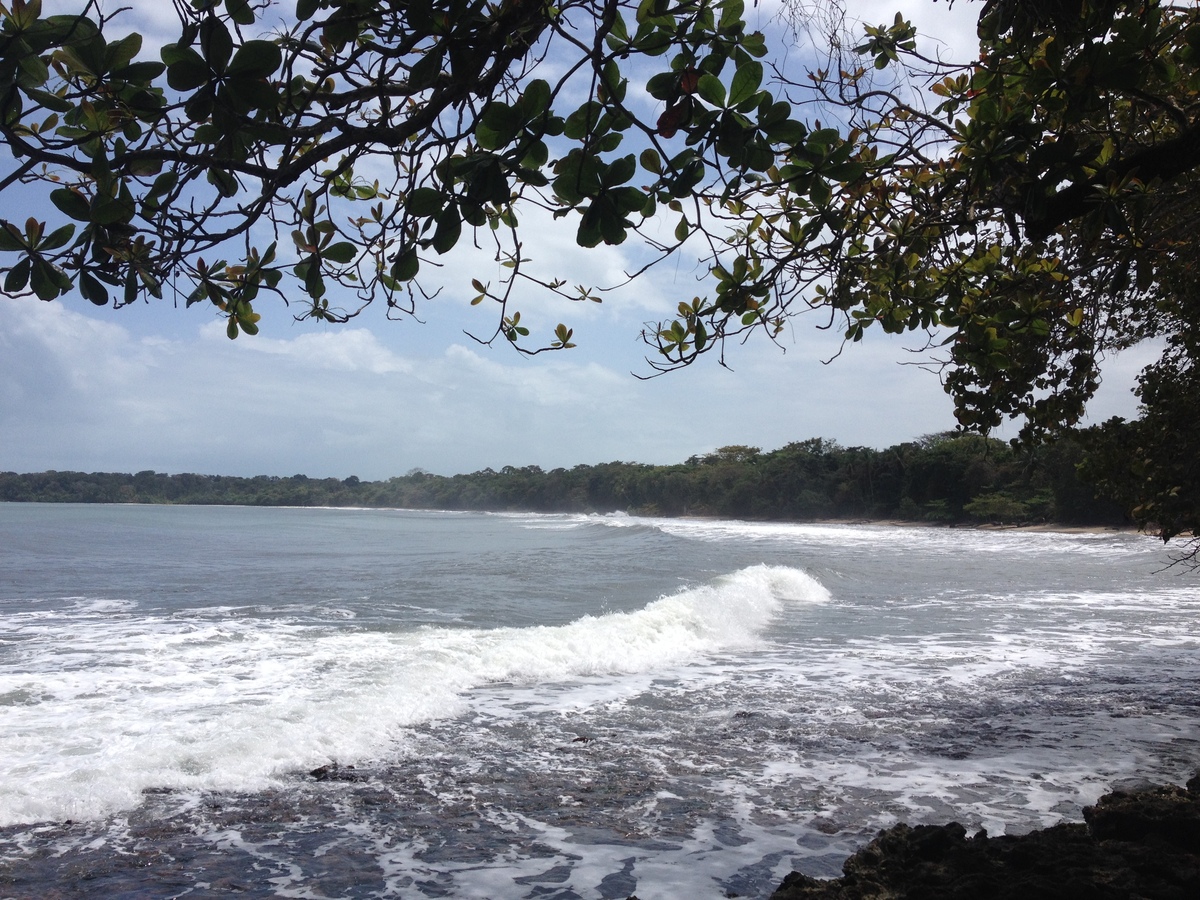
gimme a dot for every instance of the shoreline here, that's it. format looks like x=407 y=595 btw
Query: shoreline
x=1036 y=528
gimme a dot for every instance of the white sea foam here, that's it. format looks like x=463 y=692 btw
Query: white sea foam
x=100 y=702
x=893 y=536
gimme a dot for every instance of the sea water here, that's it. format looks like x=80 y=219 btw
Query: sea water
x=196 y=701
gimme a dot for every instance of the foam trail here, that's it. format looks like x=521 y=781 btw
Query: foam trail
x=100 y=704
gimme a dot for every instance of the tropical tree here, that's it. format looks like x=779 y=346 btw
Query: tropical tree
x=1028 y=211
x=335 y=149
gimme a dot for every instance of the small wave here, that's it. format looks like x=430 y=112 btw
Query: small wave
x=732 y=611
x=896 y=536
x=133 y=702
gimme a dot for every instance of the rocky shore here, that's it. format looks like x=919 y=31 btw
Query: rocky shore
x=1136 y=845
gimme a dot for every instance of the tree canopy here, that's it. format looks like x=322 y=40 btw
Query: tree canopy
x=359 y=140
x=1028 y=210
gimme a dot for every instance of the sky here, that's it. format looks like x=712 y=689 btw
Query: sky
x=158 y=387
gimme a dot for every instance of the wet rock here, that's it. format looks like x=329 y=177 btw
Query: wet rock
x=335 y=772
x=1136 y=844
x=1169 y=813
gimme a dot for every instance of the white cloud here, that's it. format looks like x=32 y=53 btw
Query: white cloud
x=348 y=349
x=81 y=392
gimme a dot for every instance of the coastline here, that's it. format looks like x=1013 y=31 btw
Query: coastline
x=1038 y=528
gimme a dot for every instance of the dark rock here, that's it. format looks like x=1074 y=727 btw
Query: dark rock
x=1169 y=813
x=335 y=772
x=1136 y=844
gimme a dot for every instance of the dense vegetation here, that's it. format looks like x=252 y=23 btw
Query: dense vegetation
x=943 y=478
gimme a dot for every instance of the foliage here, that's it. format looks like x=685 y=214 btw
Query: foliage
x=1150 y=466
x=361 y=140
x=1039 y=213
x=943 y=478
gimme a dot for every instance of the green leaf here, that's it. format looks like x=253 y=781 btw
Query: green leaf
x=216 y=43
x=42 y=280
x=342 y=252
x=92 y=289
x=449 y=228
x=536 y=99
x=17 y=278
x=224 y=181
x=142 y=72
x=619 y=172
x=424 y=201
x=11 y=238
x=246 y=94
x=619 y=31
x=536 y=157
x=583 y=121
x=649 y=11
x=732 y=12
x=628 y=199
x=663 y=85
x=746 y=81
x=787 y=132
x=589 y=233
x=200 y=105
x=425 y=71
x=144 y=168
x=121 y=53
x=186 y=69
x=305 y=9
x=755 y=44
x=255 y=59
x=240 y=11
x=407 y=265
x=34 y=72
x=51 y=101
x=487 y=138
x=651 y=161
x=72 y=203
x=711 y=90
x=58 y=238
x=162 y=184
x=110 y=211
x=615 y=86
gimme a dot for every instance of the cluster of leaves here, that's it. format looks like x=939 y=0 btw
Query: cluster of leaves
x=377 y=134
x=1036 y=214
x=1150 y=466
x=1026 y=212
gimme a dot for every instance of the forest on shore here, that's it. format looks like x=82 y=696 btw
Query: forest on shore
x=945 y=478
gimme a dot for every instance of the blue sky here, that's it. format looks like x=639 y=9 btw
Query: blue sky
x=155 y=387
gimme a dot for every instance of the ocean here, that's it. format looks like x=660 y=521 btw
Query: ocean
x=329 y=703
